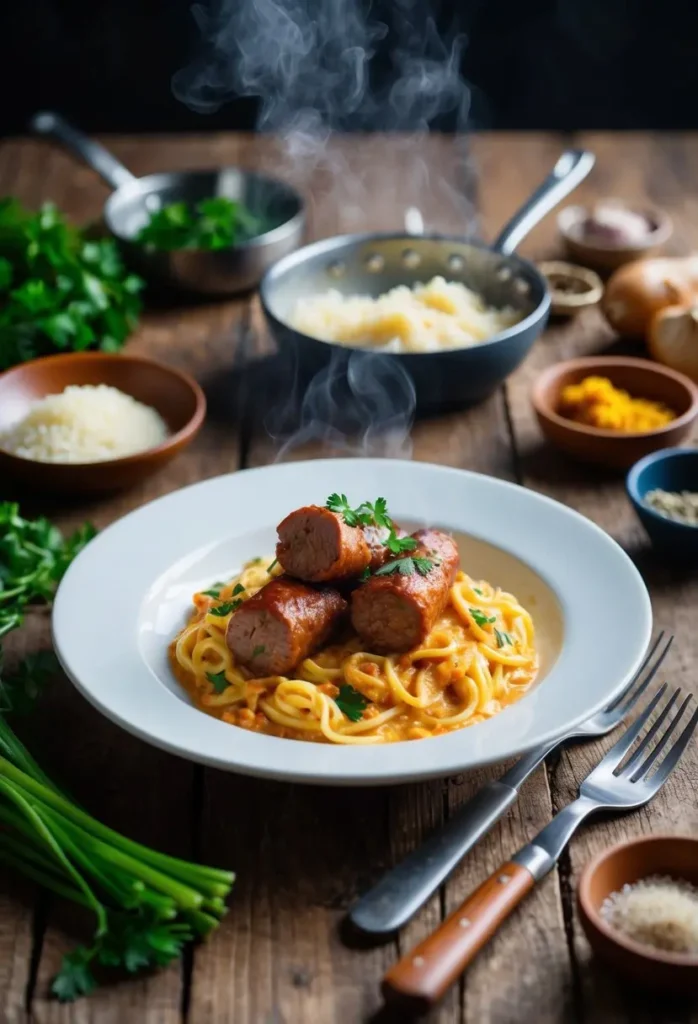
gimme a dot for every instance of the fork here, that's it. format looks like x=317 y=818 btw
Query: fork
x=422 y=977
x=403 y=890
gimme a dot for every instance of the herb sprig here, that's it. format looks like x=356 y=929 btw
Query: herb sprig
x=351 y=702
x=406 y=566
x=60 y=290
x=215 y=223
x=371 y=514
x=34 y=556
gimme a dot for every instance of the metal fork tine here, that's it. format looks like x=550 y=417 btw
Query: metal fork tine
x=634 y=696
x=623 y=745
x=651 y=758
x=656 y=726
x=671 y=760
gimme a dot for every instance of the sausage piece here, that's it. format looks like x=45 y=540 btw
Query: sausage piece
x=316 y=545
x=281 y=624
x=394 y=613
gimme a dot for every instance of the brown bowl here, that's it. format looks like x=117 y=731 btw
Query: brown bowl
x=675 y=856
x=176 y=396
x=608 y=257
x=642 y=379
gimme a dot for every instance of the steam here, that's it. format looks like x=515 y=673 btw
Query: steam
x=360 y=404
x=319 y=67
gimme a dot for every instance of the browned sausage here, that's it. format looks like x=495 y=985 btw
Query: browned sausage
x=273 y=631
x=393 y=613
x=317 y=545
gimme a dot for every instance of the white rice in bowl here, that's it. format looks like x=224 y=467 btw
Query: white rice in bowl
x=425 y=318
x=88 y=423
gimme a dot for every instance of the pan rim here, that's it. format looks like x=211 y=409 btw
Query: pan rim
x=333 y=242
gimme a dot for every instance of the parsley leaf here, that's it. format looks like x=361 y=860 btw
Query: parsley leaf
x=503 y=638
x=350 y=702
x=481 y=618
x=477 y=591
x=339 y=504
x=238 y=589
x=226 y=608
x=366 y=573
x=218 y=680
x=399 y=544
x=216 y=223
x=211 y=593
x=74 y=978
x=259 y=649
x=406 y=566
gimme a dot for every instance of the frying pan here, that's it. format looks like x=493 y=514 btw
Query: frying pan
x=371 y=264
x=218 y=272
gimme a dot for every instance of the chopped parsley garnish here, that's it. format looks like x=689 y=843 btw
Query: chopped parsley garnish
x=259 y=649
x=480 y=618
x=238 y=589
x=477 y=591
x=366 y=573
x=372 y=514
x=339 y=504
x=399 y=544
x=226 y=608
x=270 y=567
x=220 y=683
x=350 y=702
x=405 y=566
x=503 y=638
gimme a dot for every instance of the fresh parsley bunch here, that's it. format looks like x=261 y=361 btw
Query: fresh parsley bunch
x=59 y=290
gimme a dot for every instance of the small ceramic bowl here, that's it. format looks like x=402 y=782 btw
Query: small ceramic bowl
x=571 y=288
x=642 y=379
x=675 y=469
x=606 y=256
x=673 y=856
x=176 y=396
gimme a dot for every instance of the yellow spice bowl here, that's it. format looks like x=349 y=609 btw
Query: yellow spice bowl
x=641 y=379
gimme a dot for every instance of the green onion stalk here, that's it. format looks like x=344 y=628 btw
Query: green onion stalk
x=146 y=904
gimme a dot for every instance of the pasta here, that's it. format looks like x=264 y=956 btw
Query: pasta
x=479 y=657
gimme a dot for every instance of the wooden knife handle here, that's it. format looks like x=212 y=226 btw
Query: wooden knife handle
x=422 y=977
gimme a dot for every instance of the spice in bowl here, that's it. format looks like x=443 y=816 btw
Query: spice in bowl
x=681 y=506
x=595 y=402
x=88 y=423
x=614 y=224
x=571 y=287
x=657 y=911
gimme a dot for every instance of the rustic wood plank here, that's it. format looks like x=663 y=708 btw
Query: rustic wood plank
x=636 y=168
x=141 y=791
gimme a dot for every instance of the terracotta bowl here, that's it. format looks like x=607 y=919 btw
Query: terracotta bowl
x=642 y=379
x=176 y=396
x=609 y=257
x=675 y=856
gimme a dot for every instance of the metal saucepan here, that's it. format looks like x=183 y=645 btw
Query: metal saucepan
x=371 y=264
x=218 y=272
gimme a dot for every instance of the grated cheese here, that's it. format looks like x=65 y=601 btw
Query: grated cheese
x=656 y=911
x=85 y=424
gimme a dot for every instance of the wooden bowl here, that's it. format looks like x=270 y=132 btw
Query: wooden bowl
x=675 y=856
x=176 y=396
x=642 y=379
x=608 y=257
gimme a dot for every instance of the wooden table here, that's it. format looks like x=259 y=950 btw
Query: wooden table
x=303 y=854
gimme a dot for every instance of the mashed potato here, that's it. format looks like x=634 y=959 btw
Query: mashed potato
x=85 y=424
x=425 y=318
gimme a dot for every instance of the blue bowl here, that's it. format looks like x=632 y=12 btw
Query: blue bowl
x=671 y=469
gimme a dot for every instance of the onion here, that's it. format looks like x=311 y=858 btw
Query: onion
x=673 y=338
x=637 y=291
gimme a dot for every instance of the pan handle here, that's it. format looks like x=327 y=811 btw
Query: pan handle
x=571 y=168
x=97 y=157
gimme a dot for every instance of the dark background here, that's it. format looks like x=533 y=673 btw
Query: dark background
x=533 y=64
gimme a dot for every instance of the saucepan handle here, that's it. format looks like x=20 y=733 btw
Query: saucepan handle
x=97 y=157
x=572 y=167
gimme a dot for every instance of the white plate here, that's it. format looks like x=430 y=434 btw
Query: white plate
x=128 y=593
